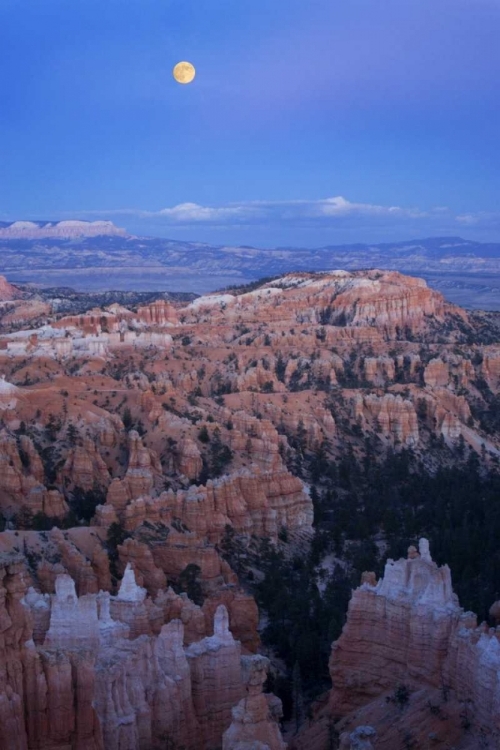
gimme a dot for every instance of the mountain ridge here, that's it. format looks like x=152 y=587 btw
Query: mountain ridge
x=466 y=270
x=66 y=229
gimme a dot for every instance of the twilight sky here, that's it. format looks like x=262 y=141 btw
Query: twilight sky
x=310 y=122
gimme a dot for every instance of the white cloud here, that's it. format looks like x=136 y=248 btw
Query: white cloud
x=185 y=213
x=481 y=218
x=253 y=212
x=467 y=219
x=339 y=206
x=331 y=212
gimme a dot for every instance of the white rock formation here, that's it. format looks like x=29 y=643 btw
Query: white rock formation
x=129 y=590
x=73 y=620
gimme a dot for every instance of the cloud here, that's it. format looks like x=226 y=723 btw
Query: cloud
x=296 y=212
x=480 y=219
x=327 y=213
x=187 y=213
x=339 y=206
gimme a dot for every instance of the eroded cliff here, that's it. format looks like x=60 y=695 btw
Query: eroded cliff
x=412 y=664
x=77 y=672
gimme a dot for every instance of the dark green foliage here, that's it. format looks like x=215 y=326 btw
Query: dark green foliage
x=234 y=551
x=179 y=526
x=297 y=696
x=115 y=537
x=356 y=500
x=280 y=367
x=219 y=455
x=189 y=582
x=326 y=315
x=25 y=458
x=422 y=409
x=140 y=428
x=297 y=381
x=84 y=502
x=41 y=522
x=301 y=627
x=52 y=428
x=72 y=434
x=487 y=412
x=167 y=743
x=23 y=519
x=340 y=319
x=250 y=287
x=127 y=419
x=203 y=435
x=457 y=509
x=283 y=534
x=401 y=695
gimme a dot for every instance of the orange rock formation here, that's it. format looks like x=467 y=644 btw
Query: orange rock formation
x=76 y=672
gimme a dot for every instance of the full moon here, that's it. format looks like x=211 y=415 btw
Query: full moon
x=184 y=72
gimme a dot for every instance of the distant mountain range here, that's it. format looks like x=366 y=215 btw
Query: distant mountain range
x=99 y=255
x=35 y=230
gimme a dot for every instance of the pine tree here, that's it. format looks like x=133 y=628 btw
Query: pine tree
x=297 y=696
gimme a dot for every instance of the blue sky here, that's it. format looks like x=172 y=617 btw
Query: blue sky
x=309 y=122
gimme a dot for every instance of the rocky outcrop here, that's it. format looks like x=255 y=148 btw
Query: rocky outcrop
x=490 y=367
x=415 y=610
x=144 y=467
x=188 y=460
x=408 y=629
x=74 y=675
x=395 y=418
x=448 y=414
x=8 y=291
x=253 y=502
x=74 y=620
x=15 y=630
x=85 y=468
x=216 y=679
x=24 y=312
x=437 y=373
x=361 y=739
x=255 y=718
x=383 y=302
x=21 y=480
x=91 y=323
x=379 y=370
x=158 y=313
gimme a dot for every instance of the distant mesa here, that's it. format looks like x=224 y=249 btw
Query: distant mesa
x=33 y=230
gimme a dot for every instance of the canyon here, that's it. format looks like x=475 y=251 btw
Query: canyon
x=153 y=455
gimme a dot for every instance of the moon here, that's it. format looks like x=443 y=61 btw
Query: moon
x=184 y=72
